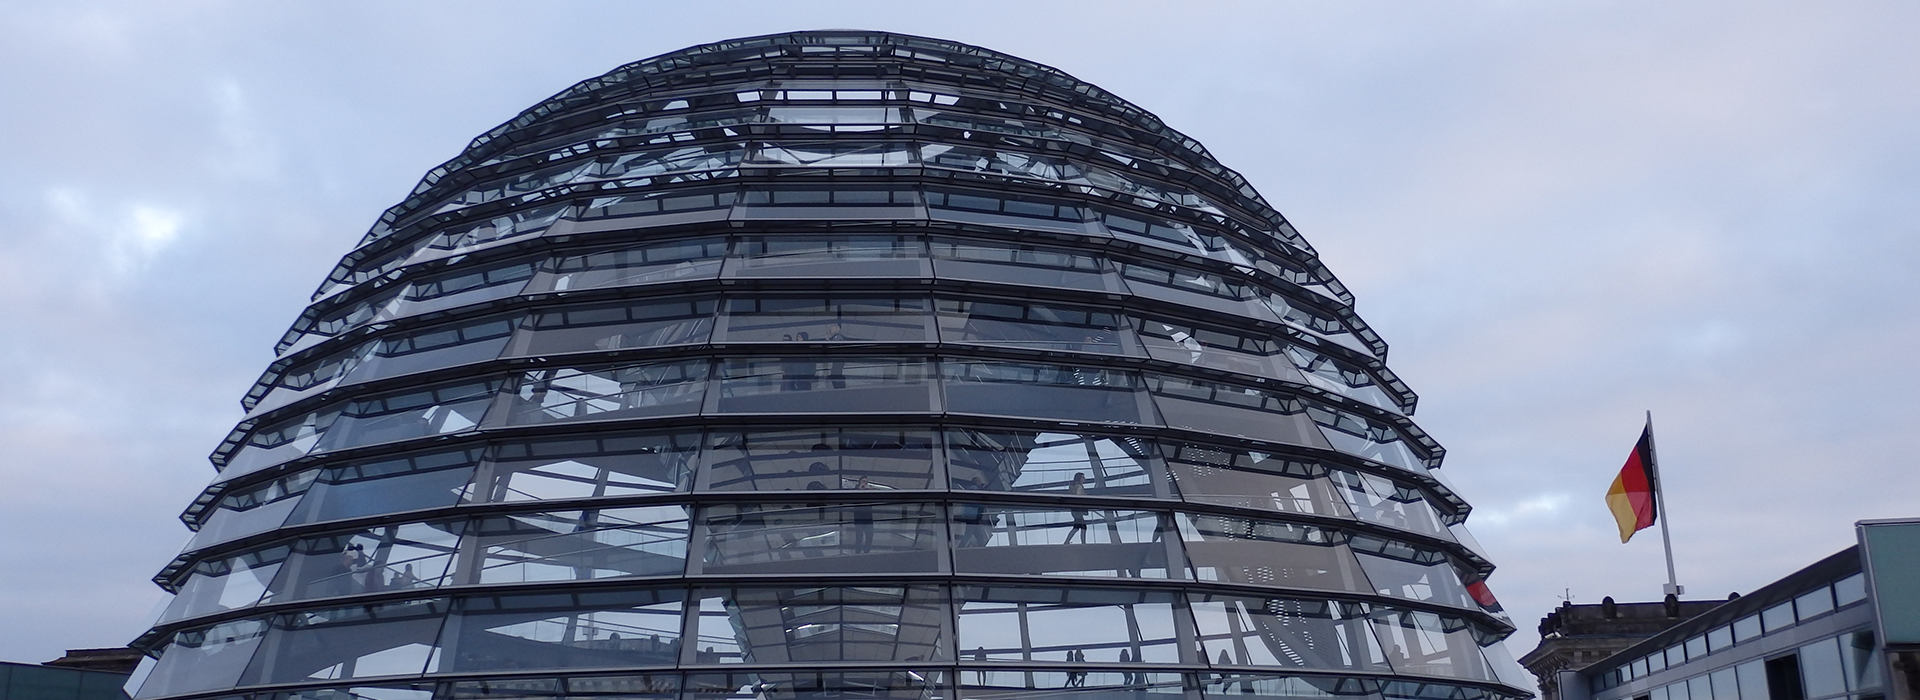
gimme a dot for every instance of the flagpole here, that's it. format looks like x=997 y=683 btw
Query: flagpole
x=1660 y=503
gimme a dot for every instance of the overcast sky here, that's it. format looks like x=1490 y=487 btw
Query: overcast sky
x=1560 y=214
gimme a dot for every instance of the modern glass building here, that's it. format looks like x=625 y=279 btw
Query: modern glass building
x=824 y=365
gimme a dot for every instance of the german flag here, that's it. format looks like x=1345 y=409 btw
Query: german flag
x=1632 y=496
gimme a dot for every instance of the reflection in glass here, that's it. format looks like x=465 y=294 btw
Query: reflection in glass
x=1011 y=263
x=387 y=639
x=987 y=684
x=226 y=584
x=830 y=320
x=825 y=384
x=592 y=466
x=1296 y=633
x=1359 y=436
x=587 y=629
x=873 y=684
x=257 y=508
x=1058 y=392
x=984 y=460
x=1267 y=553
x=1207 y=474
x=1340 y=377
x=383 y=558
x=1380 y=500
x=1032 y=326
x=433 y=411
x=868 y=537
x=204 y=659
x=1066 y=625
x=434 y=348
x=647 y=263
x=1175 y=341
x=1258 y=686
x=782 y=625
x=650 y=324
x=832 y=459
x=1404 y=571
x=631 y=391
x=581 y=545
x=1232 y=410
x=1072 y=542
x=828 y=256
x=389 y=485
x=1426 y=643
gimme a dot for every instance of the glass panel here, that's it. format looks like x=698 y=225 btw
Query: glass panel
x=434 y=411
x=389 y=639
x=1057 y=462
x=1719 y=638
x=1752 y=677
x=204 y=659
x=1220 y=686
x=587 y=629
x=1403 y=571
x=1193 y=288
x=1678 y=691
x=825 y=384
x=1057 y=392
x=815 y=460
x=1364 y=438
x=794 y=538
x=992 y=209
x=1850 y=590
x=1820 y=669
x=226 y=584
x=798 y=625
x=986 y=684
x=1233 y=410
x=467 y=287
x=384 y=558
x=1176 y=341
x=990 y=160
x=869 y=115
x=1031 y=326
x=828 y=256
x=389 y=485
x=254 y=509
x=999 y=623
x=679 y=204
x=1343 y=378
x=593 y=467
x=1117 y=543
x=1237 y=631
x=1242 y=479
x=832 y=320
x=1267 y=553
x=1011 y=263
x=646 y=263
x=1724 y=685
x=862 y=154
x=1746 y=628
x=1426 y=643
x=1381 y=500
x=650 y=324
x=1700 y=688
x=615 y=393
x=860 y=684
x=1814 y=603
x=1696 y=647
x=1778 y=617
x=279 y=442
x=583 y=545
x=1862 y=658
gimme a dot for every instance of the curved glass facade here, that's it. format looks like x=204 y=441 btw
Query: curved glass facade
x=823 y=365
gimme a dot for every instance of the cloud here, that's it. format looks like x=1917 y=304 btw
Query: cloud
x=123 y=238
